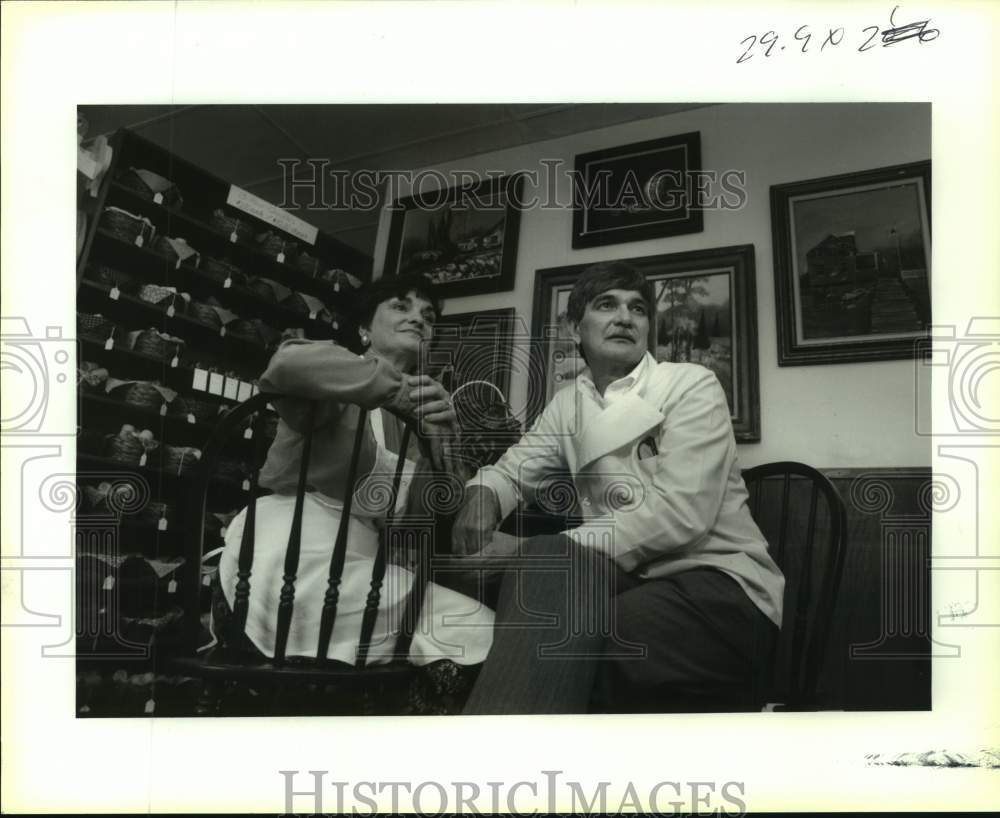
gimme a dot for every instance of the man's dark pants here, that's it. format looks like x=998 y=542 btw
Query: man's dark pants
x=575 y=634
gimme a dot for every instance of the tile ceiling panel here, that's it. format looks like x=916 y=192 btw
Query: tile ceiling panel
x=232 y=141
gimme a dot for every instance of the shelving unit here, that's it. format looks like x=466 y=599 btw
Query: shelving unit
x=210 y=364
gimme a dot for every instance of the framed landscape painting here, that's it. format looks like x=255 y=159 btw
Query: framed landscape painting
x=706 y=313
x=852 y=265
x=463 y=239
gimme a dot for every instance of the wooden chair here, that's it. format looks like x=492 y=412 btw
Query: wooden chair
x=804 y=519
x=220 y=668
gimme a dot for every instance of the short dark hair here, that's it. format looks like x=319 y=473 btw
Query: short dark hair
x=394 y=287
x=603 y=276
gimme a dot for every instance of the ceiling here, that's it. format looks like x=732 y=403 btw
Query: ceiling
x=242 y=143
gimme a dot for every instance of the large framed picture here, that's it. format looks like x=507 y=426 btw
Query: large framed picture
x=474 y=346
x=645 y=190
x=852 y=258
x=706 y=313
x=463 y=239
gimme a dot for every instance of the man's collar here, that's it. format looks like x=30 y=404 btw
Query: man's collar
x=586 y=377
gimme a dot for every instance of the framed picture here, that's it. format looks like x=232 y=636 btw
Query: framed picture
x=645 y=190
x=463 y=239
x=706 y=313
x=852 y=258
x=472 y=346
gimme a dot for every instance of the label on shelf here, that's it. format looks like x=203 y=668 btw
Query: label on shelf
x=230 y=389
x=245 y=391
x=248 y=433
x=177 y=266
x=280 y=258
x=200 y=380
x=172 y=586
x=162 y=524
x=139 y=241
x=170 y=311
x=109 y=583
x=336 y=286
x=334 y=324
x=222 y=332
x=271 y=214
x=227 y=283
x=157 y=198
x=142 y=460
x=191 y=418
x=233 y=237
x=246 y=485
x=215 y=383
x=312 y=315
x=174 y=361
x=163 y=410
x=115 y=292
x=149 y=707
x=110 y=343
x=206 y=579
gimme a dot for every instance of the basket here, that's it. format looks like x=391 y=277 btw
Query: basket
x=128 y=226
x=234 y=471
x=218 y=271
x=232 y=225
x=274 y=243
x=128 y=447
x=114 y=278
x=261 y=288
x=141 y=394
x=90 y=377
x=180 y=460
x=163 y=246
x=204 y=314
x=163 y=297
x=155 y=344
x=201 y=410
x=95 y=327
x=134 y=181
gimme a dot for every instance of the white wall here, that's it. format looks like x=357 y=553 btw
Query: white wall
x=846 y=415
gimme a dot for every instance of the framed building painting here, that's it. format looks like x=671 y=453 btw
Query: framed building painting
x=706 y=313
x=463 y=239
x=852 y=265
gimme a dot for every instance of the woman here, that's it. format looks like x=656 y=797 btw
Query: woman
x=396 y=320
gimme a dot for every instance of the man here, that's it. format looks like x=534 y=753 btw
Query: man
x=667 y=584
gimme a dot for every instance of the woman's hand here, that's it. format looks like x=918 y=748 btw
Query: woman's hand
x=437 y=419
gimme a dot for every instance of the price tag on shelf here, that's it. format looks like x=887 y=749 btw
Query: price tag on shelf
x=172 y=586
x=281 y=257
x=163 y=410
x=227 y=283
x=206 y=579
x=232 y=237
x=334 y=324
x=110 y=343
x=174 y=361
x=157 y=198
x=231 y=388
x=139 y=241
x=312 y=315
x=222 y=332
x=248 y=433
x=115 y=292
x=200 y=380
x=149 y=707
x=215 y=383
x=170 y=311
x=162 y=524
x=270 y=407
x=246 y=485
x=177 y=266
x=109 y=583
x=190 y=418
x=142 y=460
x=245 y=391
x=336 y=286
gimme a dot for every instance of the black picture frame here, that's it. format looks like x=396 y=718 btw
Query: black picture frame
x=720 y=282
x=463 y=238
x=645 y=190
x=852 y=257
x=474 y=346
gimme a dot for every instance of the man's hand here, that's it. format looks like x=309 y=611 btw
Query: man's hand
x=476 y=521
